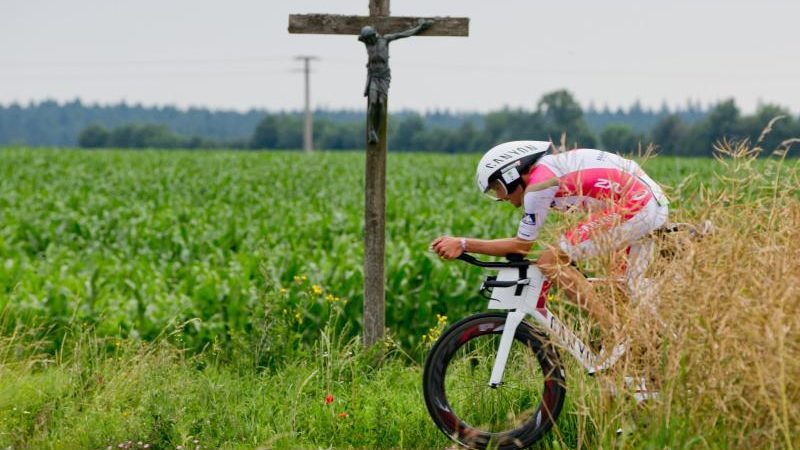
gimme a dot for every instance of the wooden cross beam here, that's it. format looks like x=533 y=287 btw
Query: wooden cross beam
x=375 y=184
x=338 y=24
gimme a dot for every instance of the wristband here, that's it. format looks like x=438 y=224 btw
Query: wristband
x=463 y=243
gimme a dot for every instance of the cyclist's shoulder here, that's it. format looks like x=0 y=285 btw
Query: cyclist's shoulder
x=542 y=175
x=541 y=185
x=582 y=159
x=575 y=157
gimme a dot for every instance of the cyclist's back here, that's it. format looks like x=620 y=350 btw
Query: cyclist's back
x=623 y=202
x=590 y=178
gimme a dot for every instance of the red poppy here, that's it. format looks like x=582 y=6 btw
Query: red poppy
x=342 y=415
x=328 y=399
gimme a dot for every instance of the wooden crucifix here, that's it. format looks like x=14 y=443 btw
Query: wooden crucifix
x=376 y=31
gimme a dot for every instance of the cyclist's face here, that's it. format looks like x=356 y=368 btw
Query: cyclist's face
x=516 y=196
x=498 y=190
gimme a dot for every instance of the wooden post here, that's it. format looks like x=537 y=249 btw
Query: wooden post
x=379 y=8
x=375 y=235
x=375 y=177
x=375 y=220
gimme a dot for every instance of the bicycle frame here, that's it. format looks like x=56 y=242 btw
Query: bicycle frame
x=531 y=301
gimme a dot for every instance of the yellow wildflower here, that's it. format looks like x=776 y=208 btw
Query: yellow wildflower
x=317 y=290
x=435 y=332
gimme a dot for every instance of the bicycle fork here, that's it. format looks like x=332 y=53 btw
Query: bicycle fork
x=513 y=320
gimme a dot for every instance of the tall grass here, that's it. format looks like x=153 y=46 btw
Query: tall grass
x=722 y=342
x=731 y=309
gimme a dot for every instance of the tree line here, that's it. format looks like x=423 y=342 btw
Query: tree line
x=50 y=123
x=688 y=131
x=147 y=136
x=556 y=114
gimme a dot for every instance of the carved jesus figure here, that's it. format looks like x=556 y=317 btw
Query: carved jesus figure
x=378 y=74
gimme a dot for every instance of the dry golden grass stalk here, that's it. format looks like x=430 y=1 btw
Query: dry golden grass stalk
x=722 y=341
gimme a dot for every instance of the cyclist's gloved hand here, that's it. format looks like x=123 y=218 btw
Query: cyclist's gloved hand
x=447 y=247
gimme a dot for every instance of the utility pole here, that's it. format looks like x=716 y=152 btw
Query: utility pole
x=308 y=127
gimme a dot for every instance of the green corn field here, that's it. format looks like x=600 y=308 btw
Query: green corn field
x=135 y=242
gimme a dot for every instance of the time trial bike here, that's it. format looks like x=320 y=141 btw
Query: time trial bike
x=496 y=379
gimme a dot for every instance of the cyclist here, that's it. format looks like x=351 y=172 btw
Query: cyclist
x=622 y=202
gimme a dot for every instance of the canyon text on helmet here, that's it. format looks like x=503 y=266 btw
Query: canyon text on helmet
x=501 y=169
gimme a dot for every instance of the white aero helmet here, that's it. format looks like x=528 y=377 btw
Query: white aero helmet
x=499 y=169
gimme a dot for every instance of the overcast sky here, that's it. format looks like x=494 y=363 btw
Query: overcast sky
x=237 y=54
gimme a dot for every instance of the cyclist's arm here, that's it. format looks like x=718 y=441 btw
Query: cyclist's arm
x=536 y=202
x=498 y=247
x=449 y=247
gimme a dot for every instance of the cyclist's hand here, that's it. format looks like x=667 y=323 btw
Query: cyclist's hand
x=447 y=247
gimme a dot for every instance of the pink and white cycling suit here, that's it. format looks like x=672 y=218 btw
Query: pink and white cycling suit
x=624 y=204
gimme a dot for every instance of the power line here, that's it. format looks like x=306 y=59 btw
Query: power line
x=14 y=66
x=157 y=61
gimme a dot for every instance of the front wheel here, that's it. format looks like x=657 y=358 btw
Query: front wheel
x=513 y=415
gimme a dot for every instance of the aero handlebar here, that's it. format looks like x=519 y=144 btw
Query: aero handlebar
x=514 y=260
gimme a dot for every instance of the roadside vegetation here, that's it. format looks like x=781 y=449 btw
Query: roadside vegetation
x=212 y=300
